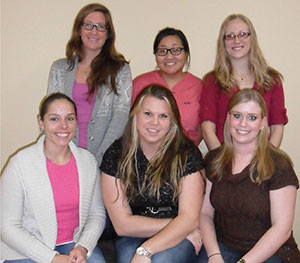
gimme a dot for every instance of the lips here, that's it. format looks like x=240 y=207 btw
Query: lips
x=152 y=130
x=243 y=132
x=93 y=38
x=170 y=63
x=62 y=134
x=238 y=48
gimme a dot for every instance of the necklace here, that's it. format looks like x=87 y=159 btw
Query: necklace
x=86 y=73
x=242 y=81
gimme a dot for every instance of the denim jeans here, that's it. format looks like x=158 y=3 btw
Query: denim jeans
x=65 y=249
x=182 y=253
x=231 y=256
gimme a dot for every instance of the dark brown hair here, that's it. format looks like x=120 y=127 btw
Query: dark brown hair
x=49 y=99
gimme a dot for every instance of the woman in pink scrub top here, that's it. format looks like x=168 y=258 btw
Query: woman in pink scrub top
x=172 y=54
x=51 y=207
x=240 y=64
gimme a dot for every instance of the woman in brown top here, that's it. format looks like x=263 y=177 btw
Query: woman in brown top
x=249 y=207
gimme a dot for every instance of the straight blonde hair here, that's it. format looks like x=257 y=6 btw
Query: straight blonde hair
x=262 y=165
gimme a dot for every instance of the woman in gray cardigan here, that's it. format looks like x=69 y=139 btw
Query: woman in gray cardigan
x=52 y=209
x=97 y=78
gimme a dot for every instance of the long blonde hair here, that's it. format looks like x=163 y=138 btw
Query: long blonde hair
x=262 y=165
x=167 y=165
x=264 y=75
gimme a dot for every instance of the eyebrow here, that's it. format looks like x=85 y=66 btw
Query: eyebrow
x=55 y=114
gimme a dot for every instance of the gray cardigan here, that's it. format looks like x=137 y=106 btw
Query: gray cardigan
x=29 y=226
x=111 y=111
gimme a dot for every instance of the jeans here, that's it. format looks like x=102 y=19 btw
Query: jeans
x=65 y=249
x=231 y=256
x=182 y=253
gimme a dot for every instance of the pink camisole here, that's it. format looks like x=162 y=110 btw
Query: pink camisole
x=84 y=110
x=65 y=187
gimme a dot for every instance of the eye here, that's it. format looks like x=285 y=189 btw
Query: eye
x=229 y=36
x=70 y=119
x=161 y=51
x=252 y=118
x=54 y=119
x=99 y=26
x=236 y=115
x=147 y=113
x=163 y=116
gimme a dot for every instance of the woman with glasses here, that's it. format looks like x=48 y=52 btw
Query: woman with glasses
x=151 y=183
x=240 y=64
x=51 y=208
x=172 y=54
x=249 y=206
x=96 y=77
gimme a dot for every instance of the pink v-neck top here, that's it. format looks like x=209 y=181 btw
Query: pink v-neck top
x=84 y=110
x=187 y=93
x=65 y=188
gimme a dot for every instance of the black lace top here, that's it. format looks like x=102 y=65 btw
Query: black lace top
x=140 y=202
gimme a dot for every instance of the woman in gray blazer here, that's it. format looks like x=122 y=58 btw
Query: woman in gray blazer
x=97 y=78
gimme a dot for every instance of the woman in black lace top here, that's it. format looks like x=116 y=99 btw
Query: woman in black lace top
x=151 y=183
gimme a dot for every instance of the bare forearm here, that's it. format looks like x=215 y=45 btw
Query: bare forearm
x=266 y=247
x=209 y=135
x=207 y=228
x=141 y=226
x=172 y=234
x=276 y=134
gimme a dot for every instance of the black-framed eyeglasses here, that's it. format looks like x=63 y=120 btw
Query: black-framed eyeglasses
x=90 y=26
x=240 y=35
x=175 y=51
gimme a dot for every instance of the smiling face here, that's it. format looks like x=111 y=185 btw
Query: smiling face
x=59 y=124
x=245 y=122
x=93 y=40
x=171 y=64
x=239 y=47
x=153 y=121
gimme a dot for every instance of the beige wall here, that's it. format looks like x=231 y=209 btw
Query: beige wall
x=34 y=33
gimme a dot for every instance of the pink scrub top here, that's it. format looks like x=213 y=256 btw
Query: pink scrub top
x=187 y=93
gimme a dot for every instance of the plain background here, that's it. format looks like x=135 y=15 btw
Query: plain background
x=34 y=33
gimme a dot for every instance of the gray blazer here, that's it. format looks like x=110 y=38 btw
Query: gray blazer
x=28 y=216
x=111 y=111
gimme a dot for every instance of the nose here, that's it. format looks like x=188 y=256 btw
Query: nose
x=243 y=121
x=236 y=39
x=169 y=55
x=155 y=120
x=63 y=124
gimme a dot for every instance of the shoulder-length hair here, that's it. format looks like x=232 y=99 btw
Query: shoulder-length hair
x=168 y=164
x=264 y=75
x=169 y=31
x=105 y=66
x=262 y=165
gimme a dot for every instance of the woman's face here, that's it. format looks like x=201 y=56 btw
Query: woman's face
x=170 y=64
x=153 y=122
x=93 y=40
x=59 y=124
x=245 y=123
x=239 y=47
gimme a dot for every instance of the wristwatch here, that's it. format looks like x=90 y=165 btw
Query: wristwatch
x=241 y=261
x=141 y=251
